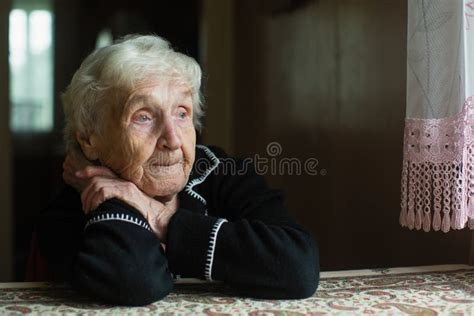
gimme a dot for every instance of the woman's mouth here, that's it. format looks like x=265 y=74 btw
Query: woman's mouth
x=166 y=164
x=165 y=168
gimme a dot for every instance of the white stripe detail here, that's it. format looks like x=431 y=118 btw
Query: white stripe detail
x=212 y=248
x=189 y=187
x=117 y=217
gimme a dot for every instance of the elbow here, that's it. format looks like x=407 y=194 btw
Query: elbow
x=295 y=282
x=303 y=274
x=141 y=291
x=300 y=288
x=303 y=282
x=294 y=278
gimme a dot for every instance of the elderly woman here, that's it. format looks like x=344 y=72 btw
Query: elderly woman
x=146 y=205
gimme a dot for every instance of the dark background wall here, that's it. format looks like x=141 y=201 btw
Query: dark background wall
x=325 y=79
x=6 y=222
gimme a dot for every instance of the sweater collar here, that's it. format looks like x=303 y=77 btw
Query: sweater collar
x=204 y=164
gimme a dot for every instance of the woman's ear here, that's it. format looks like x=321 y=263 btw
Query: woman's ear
x=89 y=145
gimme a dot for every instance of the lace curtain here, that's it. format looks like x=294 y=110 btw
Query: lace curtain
x=437 y=189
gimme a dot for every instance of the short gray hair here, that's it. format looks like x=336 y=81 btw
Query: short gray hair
x=109 y=72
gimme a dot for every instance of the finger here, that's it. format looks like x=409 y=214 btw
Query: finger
x=88 y=192
x=70 y=179
x=99 y=190
x=94 y=171
x=97 y=198
x=70 y=167
x=75 y=161
x=102 y=195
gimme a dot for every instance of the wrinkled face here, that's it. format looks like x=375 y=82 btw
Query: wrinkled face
x=151 y=141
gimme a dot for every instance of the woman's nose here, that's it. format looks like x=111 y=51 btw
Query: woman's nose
x=170 y=137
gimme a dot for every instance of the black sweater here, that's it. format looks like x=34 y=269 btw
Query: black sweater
x=229 y=227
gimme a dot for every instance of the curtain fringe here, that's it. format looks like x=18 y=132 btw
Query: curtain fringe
x=436 y=196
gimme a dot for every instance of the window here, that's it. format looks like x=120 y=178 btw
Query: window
x=31 y=66
x=104 y=38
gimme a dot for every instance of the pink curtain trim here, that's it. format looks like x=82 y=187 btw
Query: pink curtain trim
x=437 y=187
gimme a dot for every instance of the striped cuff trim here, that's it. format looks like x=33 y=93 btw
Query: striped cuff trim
x=212 y=247
x=103 y=217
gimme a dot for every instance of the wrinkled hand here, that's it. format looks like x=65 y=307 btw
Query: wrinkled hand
x=98 y=184
x=101 y=189
x=77 y=170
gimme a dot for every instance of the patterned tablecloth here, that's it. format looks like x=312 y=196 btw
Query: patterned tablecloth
x=418 y=291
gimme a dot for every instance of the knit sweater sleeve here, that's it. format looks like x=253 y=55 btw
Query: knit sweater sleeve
x=111 y=255
x=248 y=241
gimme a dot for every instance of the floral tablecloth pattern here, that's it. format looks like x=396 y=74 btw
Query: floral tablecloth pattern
x=380 y=292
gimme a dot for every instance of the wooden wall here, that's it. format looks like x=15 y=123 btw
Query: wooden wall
x=327 y=80
x=6 y=231
x=217 y=46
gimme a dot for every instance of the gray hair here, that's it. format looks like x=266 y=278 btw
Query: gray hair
x=108 y=73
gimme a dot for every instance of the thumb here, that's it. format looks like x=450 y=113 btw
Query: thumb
x=93 y=171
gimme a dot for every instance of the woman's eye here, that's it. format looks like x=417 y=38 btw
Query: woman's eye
x=182 y=115
x=142 y=118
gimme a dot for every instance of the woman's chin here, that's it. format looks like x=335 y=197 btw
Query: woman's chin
x=164 y=188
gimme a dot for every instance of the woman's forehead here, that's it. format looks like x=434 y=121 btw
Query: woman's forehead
x=151 y=91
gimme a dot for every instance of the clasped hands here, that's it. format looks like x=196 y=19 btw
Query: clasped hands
x=97 y=184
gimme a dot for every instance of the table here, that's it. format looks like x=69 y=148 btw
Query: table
x=428 y=290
